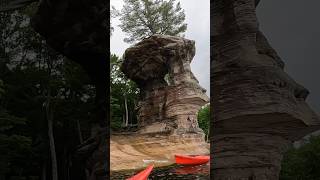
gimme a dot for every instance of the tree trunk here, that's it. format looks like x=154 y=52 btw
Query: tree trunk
x=44 y=171
x=49 y=114
x=130 y=117
x=123 y=120
x=79 y=131
x=207 y=138
x=126 y=108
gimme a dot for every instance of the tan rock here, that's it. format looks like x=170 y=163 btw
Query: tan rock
x=135 y=151
x=170 y=105
x=167 y=110
x=257 y=108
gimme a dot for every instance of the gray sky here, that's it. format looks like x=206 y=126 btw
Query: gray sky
x=198 y=20
x=293 y=30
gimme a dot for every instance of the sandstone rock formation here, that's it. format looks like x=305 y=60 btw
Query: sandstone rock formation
x=135 y=151
x=170 y=94
x=258 y=110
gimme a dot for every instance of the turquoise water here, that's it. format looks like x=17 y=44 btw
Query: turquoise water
x=200 y=172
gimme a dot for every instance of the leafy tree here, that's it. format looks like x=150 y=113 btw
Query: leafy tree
x=33 y=79
x=15 y=144
x=113 y=13
x=302 y=163
x=142 y=18
x=204 y=119
x=124 y=95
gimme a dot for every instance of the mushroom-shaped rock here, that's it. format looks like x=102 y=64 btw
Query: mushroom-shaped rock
x=170 y=94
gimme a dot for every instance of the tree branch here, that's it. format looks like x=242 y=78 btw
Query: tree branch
x=14 y=4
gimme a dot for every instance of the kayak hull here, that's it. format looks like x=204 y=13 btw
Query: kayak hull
x=191 y=160
x=143 y=175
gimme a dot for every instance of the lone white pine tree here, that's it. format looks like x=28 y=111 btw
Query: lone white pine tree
x=142 y=18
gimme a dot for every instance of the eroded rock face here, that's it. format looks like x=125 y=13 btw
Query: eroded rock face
x=133 y=151
x=165 y=105
x=258 y=110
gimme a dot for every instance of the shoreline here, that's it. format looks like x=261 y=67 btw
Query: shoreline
x=133 y=152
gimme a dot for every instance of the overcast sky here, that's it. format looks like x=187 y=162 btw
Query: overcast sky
x=293 y=30
x=198 y=20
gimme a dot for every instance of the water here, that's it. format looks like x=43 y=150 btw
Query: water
x=200 y=172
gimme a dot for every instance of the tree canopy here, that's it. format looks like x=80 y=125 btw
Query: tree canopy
x=204 y=119
x=143 y=18
x=123 y=97
x=29 y=70
x=302 y=163
x=113 y=13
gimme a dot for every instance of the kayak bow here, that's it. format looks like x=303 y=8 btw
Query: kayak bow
x=143 y=175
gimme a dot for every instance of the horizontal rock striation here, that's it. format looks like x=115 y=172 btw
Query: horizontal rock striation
x=170 y=94
x=258 y=109
x=135 y=151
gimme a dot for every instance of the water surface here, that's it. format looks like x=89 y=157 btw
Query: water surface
x=200 y=172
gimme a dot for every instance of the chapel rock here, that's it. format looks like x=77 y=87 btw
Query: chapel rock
x=258 y=109
x=170 y=95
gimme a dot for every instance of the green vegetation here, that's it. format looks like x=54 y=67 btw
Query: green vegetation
x=139 y=19
x=123 y=97
x=143 y=18
x=302 y=163
x=43 y=98
x=204 y=119
x=113 y=14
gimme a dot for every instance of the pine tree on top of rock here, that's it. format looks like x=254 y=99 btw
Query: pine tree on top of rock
x=143 y=18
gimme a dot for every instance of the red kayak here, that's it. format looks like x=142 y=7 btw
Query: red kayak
x=143 y=175
x=191 y=160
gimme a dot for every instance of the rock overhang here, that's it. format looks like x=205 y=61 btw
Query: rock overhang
x=170 y=103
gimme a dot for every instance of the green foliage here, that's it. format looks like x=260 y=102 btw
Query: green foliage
x=28 y=69
x=15 y=144
x=204 y=119
x=143 y=18
x=122 y=89
x=113 y=13
x=302 y=163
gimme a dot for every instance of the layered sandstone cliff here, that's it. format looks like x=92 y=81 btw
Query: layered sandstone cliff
x=258 y=110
